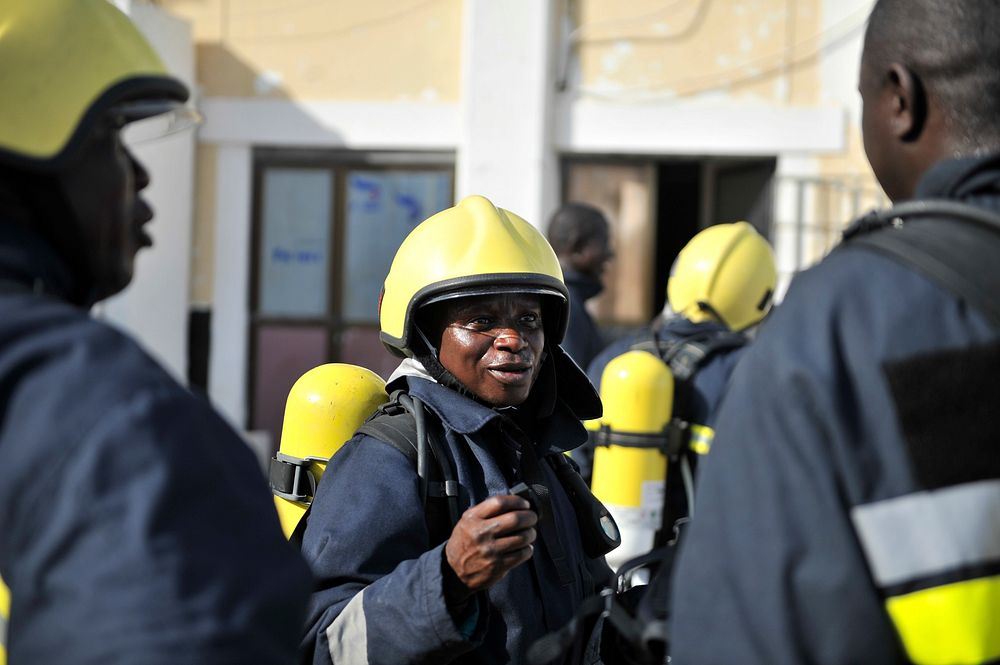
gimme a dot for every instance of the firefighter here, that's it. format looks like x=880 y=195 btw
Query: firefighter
x=848 y=511
x=721 y=285
x=135 y=526
x=456 y=564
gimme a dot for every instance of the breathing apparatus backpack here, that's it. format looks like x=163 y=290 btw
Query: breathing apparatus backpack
x=400 y=420
x=647 y=439
x=686 y=438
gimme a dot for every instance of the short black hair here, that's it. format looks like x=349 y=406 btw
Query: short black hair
x=574 y=224
x=953 y=47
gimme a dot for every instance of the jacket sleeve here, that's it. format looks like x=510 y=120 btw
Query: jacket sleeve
x=771 y=571
x=379 y=595
x=153 y=539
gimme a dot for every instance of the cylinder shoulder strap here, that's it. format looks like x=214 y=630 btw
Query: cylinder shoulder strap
x=396 y=425
x=686 y=355
x=952 y=243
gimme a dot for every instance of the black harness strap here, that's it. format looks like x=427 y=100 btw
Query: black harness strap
x=686 y=356
x=960 y=257
x=531 y=471
x=396 y=423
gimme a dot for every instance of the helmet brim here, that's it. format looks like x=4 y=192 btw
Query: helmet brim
x=135 y=98
x=494 y=290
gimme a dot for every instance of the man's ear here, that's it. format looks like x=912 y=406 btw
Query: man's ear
x=909 y=103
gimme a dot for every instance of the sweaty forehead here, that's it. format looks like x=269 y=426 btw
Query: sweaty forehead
x=451 y=310
x=499 y=302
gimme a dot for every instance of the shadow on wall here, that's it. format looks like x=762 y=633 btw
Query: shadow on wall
x=221 y=73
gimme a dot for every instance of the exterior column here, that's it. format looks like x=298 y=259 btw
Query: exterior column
x=506 y=149
x=227 y=373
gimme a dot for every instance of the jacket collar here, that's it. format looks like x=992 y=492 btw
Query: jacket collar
x=555 y=428
x=583 y=286
x=678 y=325
x=962 y=178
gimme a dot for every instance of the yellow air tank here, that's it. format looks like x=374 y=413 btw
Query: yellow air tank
x=325 y=406
x=630 y=464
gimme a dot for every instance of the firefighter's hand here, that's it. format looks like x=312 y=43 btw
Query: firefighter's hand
x=489 y=540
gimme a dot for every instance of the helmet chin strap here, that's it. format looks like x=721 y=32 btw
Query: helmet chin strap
x=429 y=359
x=705 y=307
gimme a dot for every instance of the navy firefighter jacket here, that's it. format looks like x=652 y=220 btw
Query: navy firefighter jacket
x=380 y=597
x=848 y=510
x=135 y=525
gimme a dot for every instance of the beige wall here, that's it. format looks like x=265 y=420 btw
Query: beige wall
x=682 y=48
x=377 y=50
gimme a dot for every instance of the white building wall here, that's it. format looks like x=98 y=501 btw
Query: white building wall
x=506 y=151
x=795 y=205
x=154 y=308
x=227 y=376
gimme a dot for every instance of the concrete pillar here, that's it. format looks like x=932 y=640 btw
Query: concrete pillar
x=227 y=374
x=506 y=150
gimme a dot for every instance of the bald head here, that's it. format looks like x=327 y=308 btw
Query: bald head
x=952 y=50
x=580 y=236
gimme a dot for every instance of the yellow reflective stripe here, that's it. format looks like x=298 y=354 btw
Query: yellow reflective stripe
x=4 y=616
x=701 y=439
x=953 y=624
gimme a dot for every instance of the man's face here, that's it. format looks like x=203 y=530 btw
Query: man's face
x=592 y=257
x=493 y=345
x=101 y=188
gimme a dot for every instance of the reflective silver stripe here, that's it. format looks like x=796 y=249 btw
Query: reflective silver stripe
x=347 y=636
x=930 y=532
x=3 y=631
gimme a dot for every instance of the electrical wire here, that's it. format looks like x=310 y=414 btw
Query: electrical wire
x=574 y=39
x=722 y=81
x=244 y=10
x=361 y=25
x=699 y=14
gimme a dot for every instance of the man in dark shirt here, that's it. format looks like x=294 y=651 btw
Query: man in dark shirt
x=580 y=237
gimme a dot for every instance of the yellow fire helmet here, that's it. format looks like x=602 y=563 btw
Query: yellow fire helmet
x=473 y=248
x=62 y=64
x=725 y=273
x=325 y=406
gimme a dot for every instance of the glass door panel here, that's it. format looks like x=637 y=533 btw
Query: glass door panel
x=295 y=243
x=382 y=208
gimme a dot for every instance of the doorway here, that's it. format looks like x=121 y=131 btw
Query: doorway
x=655 y=206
